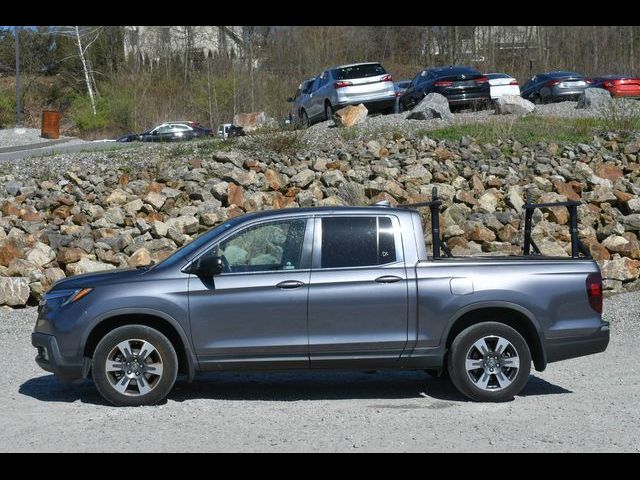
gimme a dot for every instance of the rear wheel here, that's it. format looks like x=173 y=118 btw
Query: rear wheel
x=489 y=362
x=328 y=111
x=134 y=365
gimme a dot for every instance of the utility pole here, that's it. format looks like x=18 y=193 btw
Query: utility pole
x=18 y=87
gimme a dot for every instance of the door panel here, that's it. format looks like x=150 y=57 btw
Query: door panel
x=246 y=319
x=354 y=319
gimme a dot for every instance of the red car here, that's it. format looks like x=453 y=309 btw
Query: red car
x=618 y=85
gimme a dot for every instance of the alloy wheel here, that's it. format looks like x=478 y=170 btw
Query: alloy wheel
x=134 y=367
x=492 y=363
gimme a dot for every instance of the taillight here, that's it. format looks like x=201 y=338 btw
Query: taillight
x=594 y=291
x=387 y=78
x=443 y=83
x=552 y=83
x=513 y=82
x=482 y=80
x=342 y=84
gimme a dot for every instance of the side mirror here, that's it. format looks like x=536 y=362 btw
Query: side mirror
x=207 y=266
x=290 y=99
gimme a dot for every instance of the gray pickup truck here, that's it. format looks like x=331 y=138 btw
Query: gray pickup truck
x=324 y=288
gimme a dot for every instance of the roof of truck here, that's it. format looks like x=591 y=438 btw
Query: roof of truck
x=311 y=210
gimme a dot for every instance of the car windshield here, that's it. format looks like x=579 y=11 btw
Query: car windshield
x=565 y=74
x=359 y=71
x=497 y=75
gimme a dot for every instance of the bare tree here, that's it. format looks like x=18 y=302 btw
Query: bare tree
x=84 y=37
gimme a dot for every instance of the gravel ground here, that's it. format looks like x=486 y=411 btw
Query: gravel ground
x=585 y=404
x=15 y=137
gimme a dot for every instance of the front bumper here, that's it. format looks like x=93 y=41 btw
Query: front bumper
x=51 y=360
x=572 y=347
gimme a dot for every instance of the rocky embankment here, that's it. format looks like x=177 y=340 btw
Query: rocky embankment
x=104 y=211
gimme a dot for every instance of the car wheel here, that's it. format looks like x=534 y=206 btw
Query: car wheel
x=328 y=111
x=304 y=119
x=134 y=365
x=489 y=362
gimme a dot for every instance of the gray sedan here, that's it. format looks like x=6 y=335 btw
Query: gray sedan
x=555 y=87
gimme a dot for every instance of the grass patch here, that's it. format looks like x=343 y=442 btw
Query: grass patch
x=526 y=130
x=287 y=143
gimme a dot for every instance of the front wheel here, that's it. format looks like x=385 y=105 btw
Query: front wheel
x=304 y=119
x=134 y=365
x=489 y=362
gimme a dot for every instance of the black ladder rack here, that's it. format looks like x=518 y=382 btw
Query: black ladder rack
x=434 y=205
x=577 y=247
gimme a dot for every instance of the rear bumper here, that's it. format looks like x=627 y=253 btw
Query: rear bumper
x=469 y=98
x=572 y=347
x=372 y=105
x=51 y=360
x=566 y=95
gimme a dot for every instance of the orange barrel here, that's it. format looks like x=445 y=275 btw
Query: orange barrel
x=50 y=124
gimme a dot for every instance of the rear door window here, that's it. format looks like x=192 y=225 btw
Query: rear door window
x=359 y=71
x=357 y=242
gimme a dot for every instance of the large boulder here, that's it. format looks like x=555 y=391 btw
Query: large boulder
x=14 y=291
x=434 y=105
x=251 y=121
x=514 y=105
x=87 y=266
x=350 y=115
x=594 y=98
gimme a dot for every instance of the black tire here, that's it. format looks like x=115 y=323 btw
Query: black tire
x=328 y=111
x=162 y=353
x=304 y=119
x=496 y=390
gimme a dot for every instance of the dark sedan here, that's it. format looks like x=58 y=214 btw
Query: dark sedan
x=169 y=132
x=459 y=84
x=555 y=87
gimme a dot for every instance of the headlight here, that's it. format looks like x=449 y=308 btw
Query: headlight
x=60 y=298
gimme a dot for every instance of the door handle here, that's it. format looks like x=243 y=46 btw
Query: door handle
x=388 y=279
x=290 y=284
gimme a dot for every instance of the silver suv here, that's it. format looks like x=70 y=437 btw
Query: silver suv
x=366 y=83
x=298 y=99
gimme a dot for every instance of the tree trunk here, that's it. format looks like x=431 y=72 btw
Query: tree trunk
x=86 y=70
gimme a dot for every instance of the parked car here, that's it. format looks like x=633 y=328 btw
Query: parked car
x=322 y=288
x=301 y=93
x=366 y=83
x=502 y=84
x=618 y=85
x=168 y=132
x=459 y=84
x=554 y=87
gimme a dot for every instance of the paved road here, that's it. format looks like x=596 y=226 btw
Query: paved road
x=585 y=404
x=61 y=148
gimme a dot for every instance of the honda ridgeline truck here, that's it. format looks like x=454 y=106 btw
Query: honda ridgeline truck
x=324 y=288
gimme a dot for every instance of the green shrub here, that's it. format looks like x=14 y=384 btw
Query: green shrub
x=7 y=109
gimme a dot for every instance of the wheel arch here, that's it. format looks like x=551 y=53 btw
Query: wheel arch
x=515 y=316
x=165 y=324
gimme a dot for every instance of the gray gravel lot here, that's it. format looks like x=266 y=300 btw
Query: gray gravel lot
x=16 y=137
x=585 y=404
